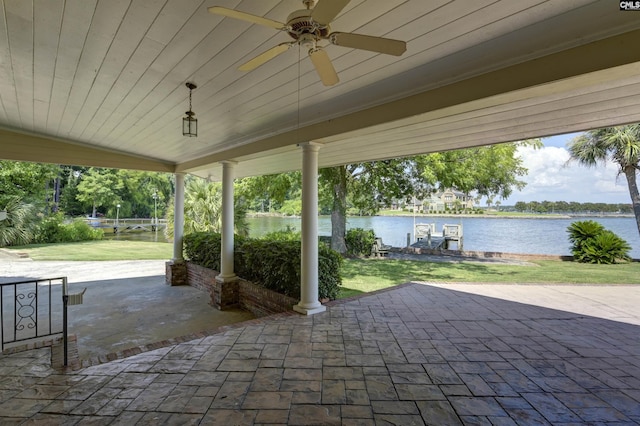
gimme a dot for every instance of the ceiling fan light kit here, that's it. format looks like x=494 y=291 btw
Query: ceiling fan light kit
x=307 y=27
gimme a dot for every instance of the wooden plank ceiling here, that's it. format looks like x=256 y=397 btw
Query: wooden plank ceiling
x=102 y=82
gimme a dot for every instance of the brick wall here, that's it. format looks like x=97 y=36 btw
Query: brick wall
x=248 y=296
x=204 y=279
x=176 y=273
x=261 y=301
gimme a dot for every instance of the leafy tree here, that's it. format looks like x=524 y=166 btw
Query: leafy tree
x=618 y=144
x=99 y=187
x=571 y=207
x=364 y=188
x=70 y=178
x=369 y=185
x=137 y=191
x=27 y=181
x=270 y=191
x=490 y=171
x=521 y=206
x=292 y=207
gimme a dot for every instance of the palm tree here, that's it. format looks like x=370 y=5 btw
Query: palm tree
x=19 y=226
x=618 y=144
x=203 y=210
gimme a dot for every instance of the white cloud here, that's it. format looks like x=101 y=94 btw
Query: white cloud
x=551 y=178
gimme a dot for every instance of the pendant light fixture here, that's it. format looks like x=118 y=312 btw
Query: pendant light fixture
x=189 y=123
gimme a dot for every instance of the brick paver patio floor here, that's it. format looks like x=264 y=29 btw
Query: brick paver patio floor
x=417 y=354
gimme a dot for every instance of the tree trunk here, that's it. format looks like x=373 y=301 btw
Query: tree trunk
x=339 y=210
x=56 y=194
x=630 y=173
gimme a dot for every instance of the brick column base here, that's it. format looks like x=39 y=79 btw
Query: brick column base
x=226 y=293
x=176 y=273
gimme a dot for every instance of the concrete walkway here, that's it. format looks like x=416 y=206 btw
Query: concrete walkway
x=131 y=307
x=418 y=354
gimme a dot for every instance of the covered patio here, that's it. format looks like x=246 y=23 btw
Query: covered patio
x=102 y=83
x=422 y=353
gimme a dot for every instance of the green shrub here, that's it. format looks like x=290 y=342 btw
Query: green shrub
x=271 y=262
x=329 y=267
x=359 y=241
x=592 y=243
x=52 y=229
x=287 y=234
x=291 y=207
x=606 y=248
x=79 y=230
x=203 y=248
x=325 y=239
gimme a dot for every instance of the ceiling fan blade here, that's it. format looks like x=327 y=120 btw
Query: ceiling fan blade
x=265 y=56
x=323 y=66
x=231 y=13
x=326 y=10
x=365 y=42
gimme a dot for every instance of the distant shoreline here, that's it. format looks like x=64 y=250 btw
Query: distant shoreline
x=463 y=215
x=515 y=216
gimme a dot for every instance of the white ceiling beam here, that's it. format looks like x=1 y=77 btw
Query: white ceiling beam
x=19 y=146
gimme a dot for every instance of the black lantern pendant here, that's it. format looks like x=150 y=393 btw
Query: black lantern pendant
x=189 y=123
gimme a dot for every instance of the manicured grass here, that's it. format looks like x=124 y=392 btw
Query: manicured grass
x=365 y=275
x=98 y=250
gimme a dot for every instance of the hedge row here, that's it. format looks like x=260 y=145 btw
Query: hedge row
x=274 y=264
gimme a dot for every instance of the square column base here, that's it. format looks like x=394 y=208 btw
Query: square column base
x=176 y=273
x=226 y=293
x=227 y=279
x=309 y=311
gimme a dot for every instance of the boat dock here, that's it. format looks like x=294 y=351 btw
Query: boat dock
x=127 y=225
x=426 y=236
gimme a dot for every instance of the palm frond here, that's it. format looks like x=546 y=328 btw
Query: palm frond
x=19 y=226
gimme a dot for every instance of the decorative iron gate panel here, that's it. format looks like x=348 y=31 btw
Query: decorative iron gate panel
x=31 y=309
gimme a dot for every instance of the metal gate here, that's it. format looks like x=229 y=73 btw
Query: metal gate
x=32 y=309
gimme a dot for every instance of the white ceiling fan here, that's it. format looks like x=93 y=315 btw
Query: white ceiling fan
x=308 y=27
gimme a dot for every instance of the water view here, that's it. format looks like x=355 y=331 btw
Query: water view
x=521 y=235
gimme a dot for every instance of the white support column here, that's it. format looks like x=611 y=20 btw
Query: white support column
x=226 y=251
x=309 y=303
x=178 y=219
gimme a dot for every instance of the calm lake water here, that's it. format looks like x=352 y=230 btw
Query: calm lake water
x=522 y=235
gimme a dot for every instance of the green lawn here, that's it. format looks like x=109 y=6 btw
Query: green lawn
x=365 y=275
x=98 y=250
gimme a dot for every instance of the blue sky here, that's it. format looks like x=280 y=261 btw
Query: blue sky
x=550 y=178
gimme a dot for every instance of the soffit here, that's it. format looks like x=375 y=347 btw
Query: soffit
x=95 y=81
